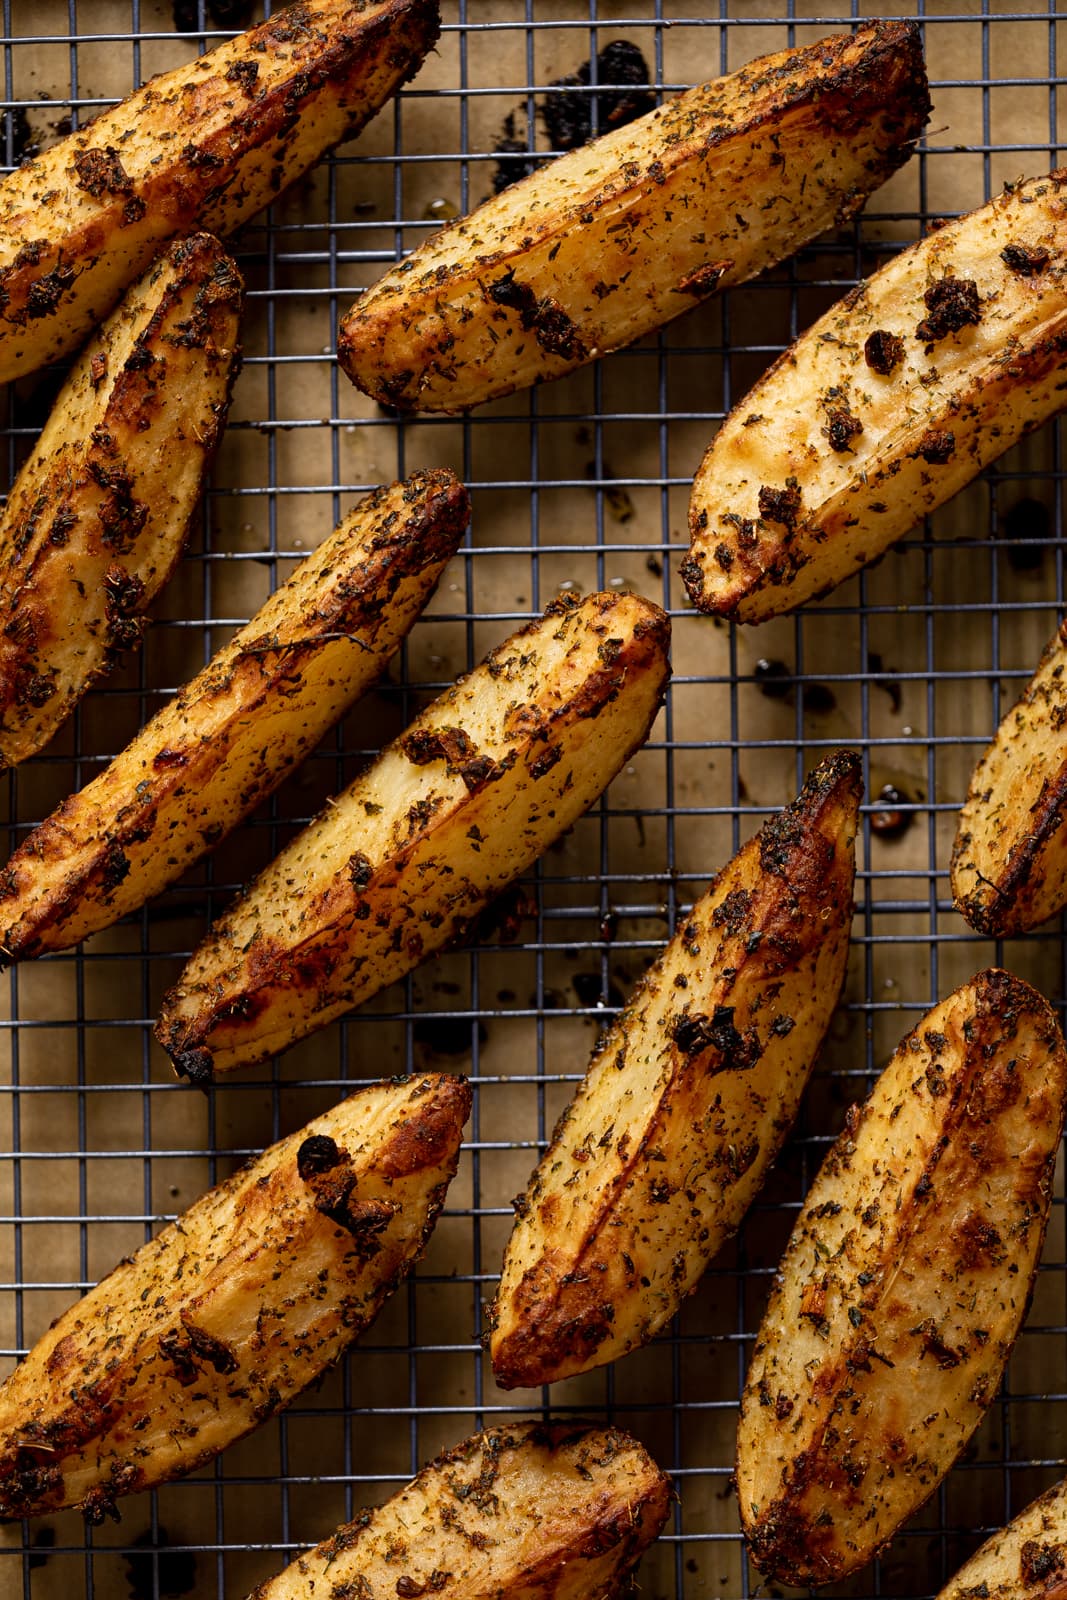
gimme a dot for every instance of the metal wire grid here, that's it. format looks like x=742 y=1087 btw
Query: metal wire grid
x=919 y=657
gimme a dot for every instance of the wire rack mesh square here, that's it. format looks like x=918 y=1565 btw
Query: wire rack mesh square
x=580 y=485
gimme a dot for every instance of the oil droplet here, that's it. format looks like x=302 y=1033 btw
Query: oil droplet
x=440 y=210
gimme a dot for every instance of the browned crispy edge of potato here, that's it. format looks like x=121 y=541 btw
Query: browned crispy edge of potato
x=97 y=519
x=541 y=1512
x=205 y=145
x=231 y=1311
x=613 y=240
x=905 y=1283
x=626 y=1208
x=227 y=740
x=1009 y=857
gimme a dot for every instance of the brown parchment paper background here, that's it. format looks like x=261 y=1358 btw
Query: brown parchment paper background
x=99 y=1145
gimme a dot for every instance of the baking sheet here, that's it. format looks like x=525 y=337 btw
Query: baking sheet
x=583 y=484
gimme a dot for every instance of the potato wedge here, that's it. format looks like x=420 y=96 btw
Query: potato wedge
x=205 y=146
x=231 y=1311
x=526 y=1511
x=96 y=520
x=904 y=1285
x=1009 y=859
x=613 y=240
x=226 y=741
x=687 y=1101
x=477 y=788
x=882 y=410
x=1027 y=1560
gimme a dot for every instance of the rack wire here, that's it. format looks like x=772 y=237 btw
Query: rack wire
x=582 y=484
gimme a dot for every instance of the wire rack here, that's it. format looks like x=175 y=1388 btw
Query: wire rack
x=580 y=485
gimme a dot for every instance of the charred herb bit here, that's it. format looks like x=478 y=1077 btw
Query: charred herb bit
x=953 y=304
x=883 y=352
x=319 y=1153
x=1038 y=1562
x=568 y=115
x=98 y=369
x=243 y=72
x=780 y=505
x=34 y=688
x=115 y=867
x=360 y=869
x=841 y=428
x=46 y=293
x=101 y=172
x=694 y=1033
x=1026 y=260
x=936 y=446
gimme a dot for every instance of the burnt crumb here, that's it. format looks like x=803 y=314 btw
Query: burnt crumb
x=452 y=746
x=780 y=505
x=447 y=1036
x=936 y=446
x=243 y=72
x=236 y=14
x=773 y=677
x=152 y=1569
x=196 y=1065
x=544 y=318
x=841 y=428
x=116 y=866
x=875 y=664
x=23 y=148
x=360 y=869
x=883 y=352
x=888 y=821
x=694 y=1033
x=1026 y=260
x=318 y=1153
x=1026 y=527
x=101 y=172
x=1038 y=1562
x=514 y=161
x=568 y=115
x=953 y=304
x=587 y=986
x=46 y=293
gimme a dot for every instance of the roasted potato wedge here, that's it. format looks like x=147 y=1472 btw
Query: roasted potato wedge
x=688 y=1099
x=235 y=1308
x=1009 y=860
x=477 y=788
x=226 y=742
x=205 y=146
x=904 y=1285
x=613 y=240
x=1027 y=1560
x=526 y=1511
x=96 y=520
x=883 y=409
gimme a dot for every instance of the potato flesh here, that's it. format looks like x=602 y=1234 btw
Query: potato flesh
x=204 y=146
x=611 y=241
x=1027 y=1560
x=1009 y=860
x=534 y=1513
x=227 y=740
x=904 y=1284
x=227 y=1314
x=950 y=406
x=97 y=518
x=661 y=1153
x=476 y=789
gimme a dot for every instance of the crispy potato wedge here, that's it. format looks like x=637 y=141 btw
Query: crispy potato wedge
x=687 y=1101
x=889 y=404
x=477 y=788
x=526 y=1511
x=235 y=1308
x=613 y=240
x=205 y=146
x=1009 y=859
x=904 y=1285
x=97 y=519
x=227 y=740
x=1027 y=1560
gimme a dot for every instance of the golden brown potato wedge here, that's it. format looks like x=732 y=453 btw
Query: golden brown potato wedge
x=904 y=1285
x=235 y=1308
x=97 y=519
x=205 y=146
x=1027 y=1560
x=613 y=240
x=526 y=1511
x=688 y=1099
x=478 y=787
x=227 y=740
x=886 y=407
x=1009 y=860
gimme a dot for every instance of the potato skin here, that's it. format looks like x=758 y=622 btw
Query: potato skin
x=526 y=1511
x=229 y=738
x=885 y=407
x=1009 y=859
x=613 y=240
x=230 y=1312
x=478 y=787
x=904 y=1285
x=1027 y=1560
x=204 y=146
x=96 y=520
x=688 y=1099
